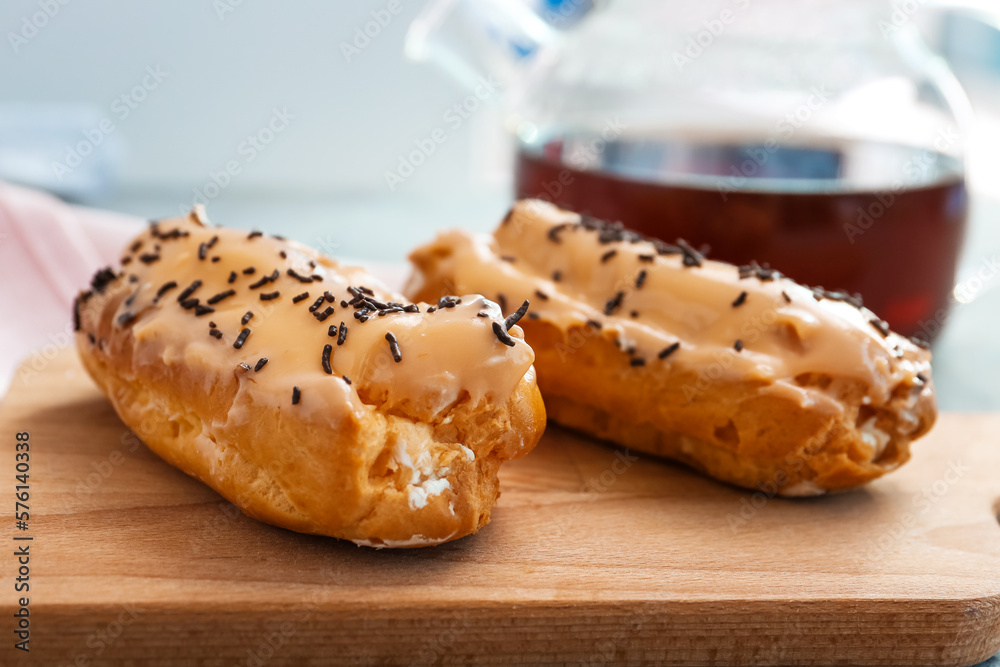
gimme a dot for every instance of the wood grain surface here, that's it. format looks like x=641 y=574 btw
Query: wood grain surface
x=594 y=556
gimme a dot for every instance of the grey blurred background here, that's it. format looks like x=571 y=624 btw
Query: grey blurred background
x=170 y=94
x=200 y=77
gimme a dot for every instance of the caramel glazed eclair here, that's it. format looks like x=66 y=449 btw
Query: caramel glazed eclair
x=304 y=392
x=736 y=371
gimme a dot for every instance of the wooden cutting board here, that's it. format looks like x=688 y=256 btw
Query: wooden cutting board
x=593 y=556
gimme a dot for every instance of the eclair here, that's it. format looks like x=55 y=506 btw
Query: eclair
x=305 y=392
x=736 y=371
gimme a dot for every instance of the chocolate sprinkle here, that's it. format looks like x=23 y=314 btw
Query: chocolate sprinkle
x=249 y=271
x=668 y=350
x=327 y=349
x=325 y=314
x=881 y=326
x=556 y=276
x=738 y=345
x=242 y=338
x=102 y=279
x=342 y=334
x=346 y=379
x=482 y=313
x=202 y=251
x=296 y=395
x=332 y=331
x=268 y=296
x=166 y=287
x=608 y=255
x=594 y=323
x=691 y=256
x=741 y=299
x=283 y=254
x=763 y=272
x=260 y=364
x=394 y=347
x=508 y=258
x=232 y=277
x=663 y=248
x=637 y=361
x=203 y=310
x=215 y=333
x=126 y=319
x=640 y=280
x=449 y=301
x=541 y=295
x=149 y=257
x=302 y=279
x=554 y=232
x=853 y=299
x=646 y=258
x=502 y=335
x=216 y=258
x=189 y=290
x=319 y=302
x=188 y=304
x=260 y=283
x=300 y=297
x=784 y=295
x=246 y=317
x=328 y=295
x=614 y=303
x=516 y=316
x=220 y=296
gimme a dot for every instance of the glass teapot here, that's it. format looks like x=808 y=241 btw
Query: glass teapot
x=820 y=136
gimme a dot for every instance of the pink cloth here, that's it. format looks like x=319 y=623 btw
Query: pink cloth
x=48 y=252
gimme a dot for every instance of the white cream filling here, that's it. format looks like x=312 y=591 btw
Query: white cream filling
x=425 y=480
x=431 y=487
x=874 y=437
x=415 y=541
x=806 y=488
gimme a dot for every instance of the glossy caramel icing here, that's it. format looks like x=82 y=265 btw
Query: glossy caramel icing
x=666 y=304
